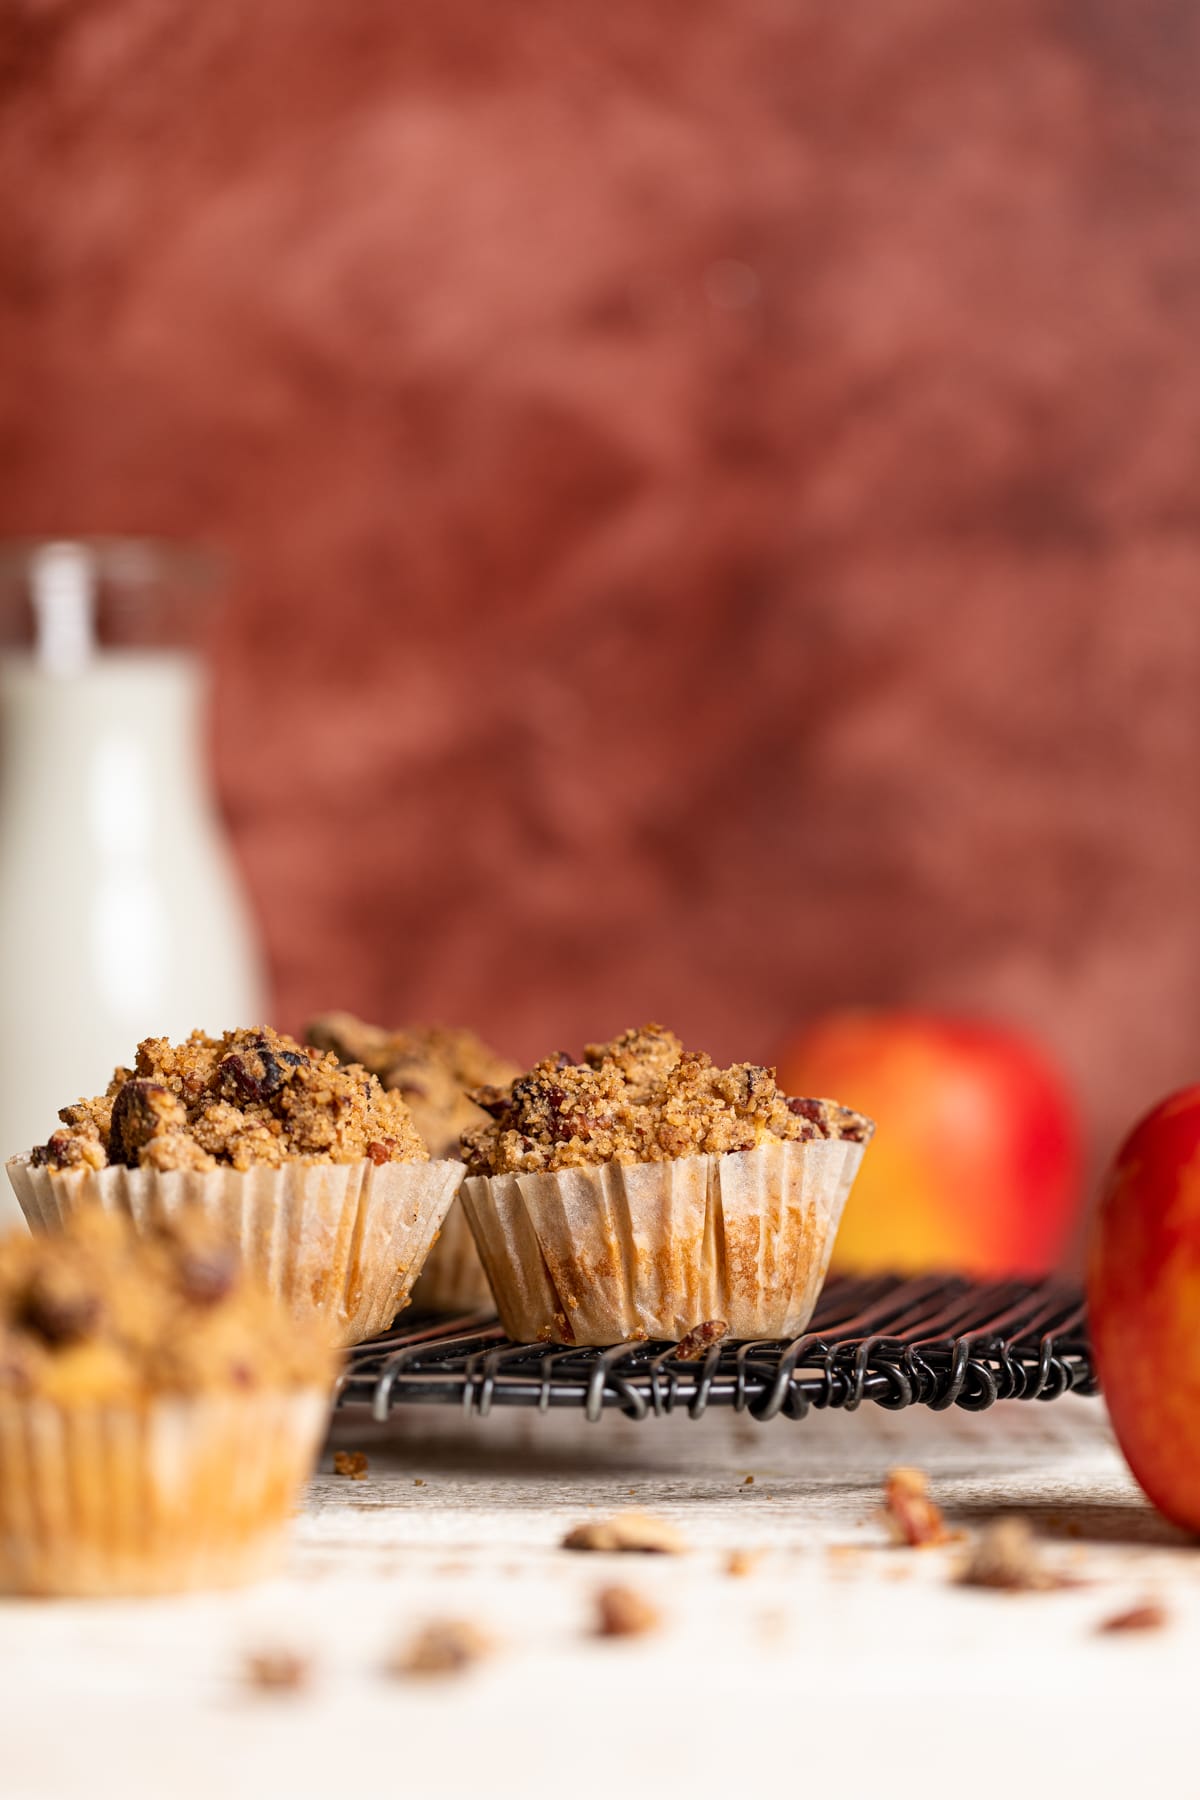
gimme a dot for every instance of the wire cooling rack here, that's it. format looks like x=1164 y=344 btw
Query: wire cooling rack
x=931 y=1341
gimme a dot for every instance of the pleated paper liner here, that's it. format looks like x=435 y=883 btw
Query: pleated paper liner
x=345 y=1241
x=153 y=1497
x=602 y=1255
x=453 y=1278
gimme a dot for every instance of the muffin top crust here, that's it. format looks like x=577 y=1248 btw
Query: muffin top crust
x=252 y=1097
x=431 y=1066
x=99 y=1312
x=642 y=1098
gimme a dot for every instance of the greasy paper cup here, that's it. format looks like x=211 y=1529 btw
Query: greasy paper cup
x=452 y=1279
x=345 y=1241
x=601 y=1255
x=151 y=1498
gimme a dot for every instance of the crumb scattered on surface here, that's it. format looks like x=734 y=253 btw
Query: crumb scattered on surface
x=418 y=1481
x=749 y=1481
x=350 y=1463
x=248 y=1098
x=623 y=1612
x=1006 y=1556
x=911 y=1515
x=641 y=1098
x=636 y=1531
x=277 y=1671
x=1147 y=1615
x=443 y=1647
x=742 y=1562
x=700 y=1339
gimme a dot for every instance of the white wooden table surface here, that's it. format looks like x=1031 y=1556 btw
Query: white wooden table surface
x=839 y=1663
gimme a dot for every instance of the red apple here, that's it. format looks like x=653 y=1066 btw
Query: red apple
x=977 y=1161
x=1144 y=1303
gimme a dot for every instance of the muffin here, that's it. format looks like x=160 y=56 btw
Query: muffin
x=644 y=1191
x=431 y=1066
x=159 y=1412
x=317 y=1172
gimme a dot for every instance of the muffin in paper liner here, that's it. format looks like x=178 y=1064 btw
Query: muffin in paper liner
x=432 y=1067
x=604 y=1254
x=151 y=1497
x=453 y=1278
x=345 y=1241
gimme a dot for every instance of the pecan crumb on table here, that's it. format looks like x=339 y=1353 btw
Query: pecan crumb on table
x=636 y=1531
x=277 y=1671
x=1147 y=1615
x=443 y=1647
x=622 y=1612
x=912 y=1517
x=742 y=1562
x=350 y=1463
x=1006 y=1556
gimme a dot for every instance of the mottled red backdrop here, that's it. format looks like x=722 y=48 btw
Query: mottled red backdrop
x=713 y=485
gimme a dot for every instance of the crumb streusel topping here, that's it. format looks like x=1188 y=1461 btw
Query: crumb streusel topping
x=432 y=1066
x=641 y=1098
x=249 y=1098
x=102 y=1312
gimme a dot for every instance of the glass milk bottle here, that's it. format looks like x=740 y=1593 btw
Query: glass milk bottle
x=121 y=914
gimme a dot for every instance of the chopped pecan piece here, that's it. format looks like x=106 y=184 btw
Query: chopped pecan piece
x=700 y=1339
x=350 y=1463
x=492 y=1100
x=622 y=1612
x=444 y=1647
x=257 y=1073
x=1147 y=1615
x=912 y=1517
x=278 y=1671
x=1005 y=1555
x=141 y=1111
x=812 y=1110
x=630 y=1530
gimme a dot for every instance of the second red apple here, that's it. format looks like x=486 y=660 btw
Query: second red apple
x=977 y=1162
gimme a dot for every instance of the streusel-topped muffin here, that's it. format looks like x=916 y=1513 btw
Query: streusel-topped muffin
x=100 y=1311
x=642 y=1098
x=246 y=1098
x=645 y=1192
x=310 y=1165
x=149 y=1375
x=432 y=1066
